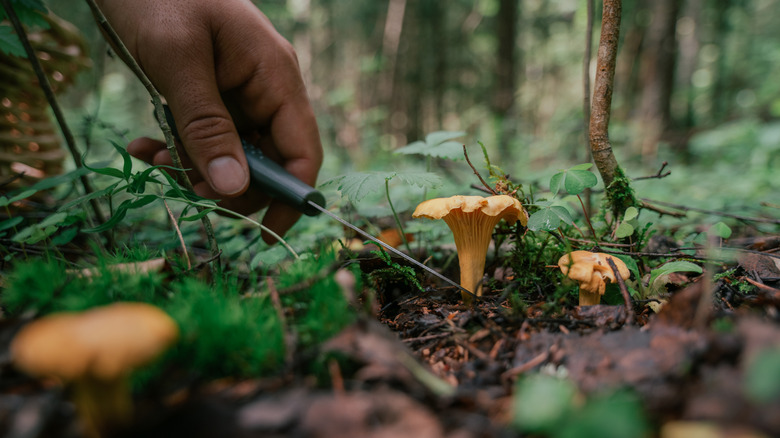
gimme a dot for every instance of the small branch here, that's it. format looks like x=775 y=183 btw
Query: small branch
x=466 y=154
x=624 y=291
x=661 y=211
x=178 y=234
x=658 y=175
x=43 y=82
x=714 y=212
x=587 y=217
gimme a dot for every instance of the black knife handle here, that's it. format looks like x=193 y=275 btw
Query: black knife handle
x=272 y=178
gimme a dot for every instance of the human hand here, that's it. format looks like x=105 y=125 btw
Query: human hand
x=205 y=56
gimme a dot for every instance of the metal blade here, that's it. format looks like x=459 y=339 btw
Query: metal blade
x=390 y=248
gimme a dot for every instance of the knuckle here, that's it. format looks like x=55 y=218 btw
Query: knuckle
x=207 y=130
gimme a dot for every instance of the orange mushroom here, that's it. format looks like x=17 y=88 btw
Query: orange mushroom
x=593 y=272
x=472 y=219
x=94 y=352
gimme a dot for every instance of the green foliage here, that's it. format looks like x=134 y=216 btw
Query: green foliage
x=620 y=194
x=628 y=224
x=546 y=406
x=549 y=217
x=762 y=379
x=355 y=186
x=437 y=144
x=223 y=334
x=395 y=271
x=30 y=13
x=574 y=180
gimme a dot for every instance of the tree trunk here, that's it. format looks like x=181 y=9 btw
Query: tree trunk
x=657 y=75
x=618 y=187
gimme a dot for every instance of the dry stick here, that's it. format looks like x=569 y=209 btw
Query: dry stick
x=128 y=59
x=623 y=290
x=178 y=234
x=718 y=213
x=43 y=81
x=466 y=154
x=602 y=101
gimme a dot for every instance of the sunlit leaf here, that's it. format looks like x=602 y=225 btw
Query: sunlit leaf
x=624 y=230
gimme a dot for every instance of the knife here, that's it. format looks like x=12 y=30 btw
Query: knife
x=285 y=187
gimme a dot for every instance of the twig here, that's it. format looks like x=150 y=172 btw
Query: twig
x=466 y=154
x=127 y=58
x=658 y=175
x=427 y=338
x=623 y=290
x=175 y=225
x=43 y=82
x=528 y=366
x=714 y=212
x=646 y=205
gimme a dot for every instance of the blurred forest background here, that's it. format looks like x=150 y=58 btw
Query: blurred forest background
x=697 y=85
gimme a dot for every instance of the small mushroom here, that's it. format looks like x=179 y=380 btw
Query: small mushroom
x=472 y=219
x=592 y=271
x=94 y=352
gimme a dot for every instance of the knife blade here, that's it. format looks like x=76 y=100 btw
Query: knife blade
x=284 y=186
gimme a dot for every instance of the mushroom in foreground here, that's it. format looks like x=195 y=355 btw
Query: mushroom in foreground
x=472 y=219
x=94 y=352
x=592 y=271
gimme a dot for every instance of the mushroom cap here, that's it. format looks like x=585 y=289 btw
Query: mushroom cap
x=591 y=269
x=505 y=206
x=104 y=343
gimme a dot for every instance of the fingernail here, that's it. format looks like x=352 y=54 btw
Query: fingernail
x=226 y=174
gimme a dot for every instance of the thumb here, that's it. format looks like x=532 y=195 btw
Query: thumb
x=209 y=136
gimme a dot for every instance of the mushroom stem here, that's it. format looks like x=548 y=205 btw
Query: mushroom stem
x=103 y=405
x=472 y=245
x=589 y=299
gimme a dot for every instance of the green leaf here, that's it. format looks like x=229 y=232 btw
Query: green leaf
x=624 y=230
x=16 y=198
x=9 y=42
x=439 y=137
x=541 y=402
x=356 y=186
x=65 y=236
x=108 y=191
x=721 y=230
x=11 y=222
x=676 y=266
x=762 y=379
x=631 y=213
x=127 y=162
x=549 y=218
x=630 y=263
x=196 y=216
x=583 y=166
x=555 y=183
x=54 y=181
x=108 y=171
x=578 y=180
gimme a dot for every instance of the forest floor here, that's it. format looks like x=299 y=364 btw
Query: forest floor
x=705 y=365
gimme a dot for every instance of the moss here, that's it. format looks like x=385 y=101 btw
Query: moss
x=620 y=195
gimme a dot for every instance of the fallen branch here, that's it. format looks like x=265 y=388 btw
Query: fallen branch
x=715 y=212
x=466 y=154
x=624 y=291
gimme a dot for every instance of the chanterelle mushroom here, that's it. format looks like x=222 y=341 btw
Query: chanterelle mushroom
x=592 y=271
x=472 y=219
x=94 y=352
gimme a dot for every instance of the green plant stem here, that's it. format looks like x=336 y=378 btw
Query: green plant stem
x=395 y=216
x=203 y=206
x=127 y=58
x=587 y=218
x=43 y=82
